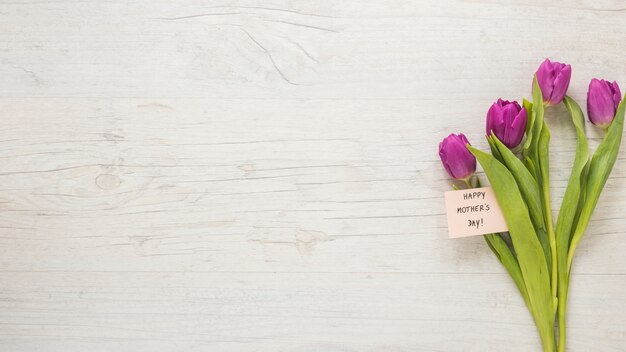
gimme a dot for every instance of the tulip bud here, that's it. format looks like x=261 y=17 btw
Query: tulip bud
x=458 y=161
x=553 y=79
x=507 y=120
x=602 y=101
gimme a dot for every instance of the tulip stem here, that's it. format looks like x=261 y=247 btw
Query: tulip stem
x=551 y=237
x=544 y=176
x=562 y=303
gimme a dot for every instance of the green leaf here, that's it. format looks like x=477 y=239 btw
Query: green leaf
x=535 y=124
x=531 y=167
x=544 y=174
x=529 y=109
x=494 y=149
x=544 y=166
x=538 y=111
x=525 y=181
x=529 y=190
x=508 y=260
x=599 y=170
x=583 y=192
x=572 y=198
x=529 y=252
x=529 y=124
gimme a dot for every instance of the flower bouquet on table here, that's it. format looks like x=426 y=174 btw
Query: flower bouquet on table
x=537 y=253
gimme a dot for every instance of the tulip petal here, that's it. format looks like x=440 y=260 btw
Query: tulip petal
x=518 y=127
x=553 y=79
x=561 y=83
x=443 y=156
x=600 y=102
x=456 y=159
x=617 y=95
x=492 y=117
x=545 y=78
x=502 y=120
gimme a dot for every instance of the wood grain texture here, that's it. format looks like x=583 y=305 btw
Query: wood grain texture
x=263 y=176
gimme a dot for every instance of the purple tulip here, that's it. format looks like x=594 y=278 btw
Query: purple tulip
x=456 y=158
x=507 y=120
x=553 y=79
x=602 y=101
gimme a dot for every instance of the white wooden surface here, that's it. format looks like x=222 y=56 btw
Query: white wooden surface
x=263 y=176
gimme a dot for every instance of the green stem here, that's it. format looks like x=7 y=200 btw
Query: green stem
x=543 y=163
x=541 y=167
x=563 y=290
x=551 y=236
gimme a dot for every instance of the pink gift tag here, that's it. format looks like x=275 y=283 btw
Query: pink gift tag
x=473 y=212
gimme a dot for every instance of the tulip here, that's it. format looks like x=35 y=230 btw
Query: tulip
x=457 y=160
x=507 y=120
x=553 y=79
x=602 y=101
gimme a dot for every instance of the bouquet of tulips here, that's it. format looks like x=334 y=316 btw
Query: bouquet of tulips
x=537 y=253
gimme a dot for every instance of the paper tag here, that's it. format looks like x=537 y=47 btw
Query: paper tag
x=473 y=212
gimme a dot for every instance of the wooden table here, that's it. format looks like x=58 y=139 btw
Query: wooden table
x=263 y=175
